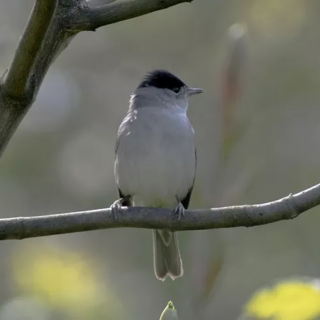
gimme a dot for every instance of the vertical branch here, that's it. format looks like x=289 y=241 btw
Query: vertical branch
x=19 y=86
x=17 y=79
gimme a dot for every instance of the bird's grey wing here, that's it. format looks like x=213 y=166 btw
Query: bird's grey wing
x=186 y=200
x=120 y=132
x=129 y=201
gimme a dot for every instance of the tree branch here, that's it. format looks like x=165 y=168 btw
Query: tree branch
x=96 y=17
x=157 y=218
x=18 y=76
x=50 y=28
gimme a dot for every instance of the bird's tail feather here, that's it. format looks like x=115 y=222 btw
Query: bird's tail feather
x=166 y=254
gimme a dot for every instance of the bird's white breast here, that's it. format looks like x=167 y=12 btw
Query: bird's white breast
x=155 y=158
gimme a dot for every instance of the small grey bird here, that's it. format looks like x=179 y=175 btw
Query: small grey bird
x=155 y=158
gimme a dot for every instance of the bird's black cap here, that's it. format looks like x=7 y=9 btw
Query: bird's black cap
x=161 y=79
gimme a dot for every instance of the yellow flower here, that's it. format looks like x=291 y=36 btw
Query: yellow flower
x=288 y=300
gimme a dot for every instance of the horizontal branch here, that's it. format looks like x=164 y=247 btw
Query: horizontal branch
x=158 y=218
x=92 y=18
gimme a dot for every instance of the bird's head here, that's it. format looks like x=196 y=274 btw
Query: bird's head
x=162 y=86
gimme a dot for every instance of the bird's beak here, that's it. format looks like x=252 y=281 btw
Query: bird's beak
x=192 y=91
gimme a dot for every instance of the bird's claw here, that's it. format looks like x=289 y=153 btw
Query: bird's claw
x=115 y=208
x=179 y=210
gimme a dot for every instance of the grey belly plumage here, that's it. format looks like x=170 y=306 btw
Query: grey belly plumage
x=155 y=158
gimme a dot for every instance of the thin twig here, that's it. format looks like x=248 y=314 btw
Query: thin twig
x=158 y=218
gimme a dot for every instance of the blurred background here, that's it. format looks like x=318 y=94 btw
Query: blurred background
x=257 y=130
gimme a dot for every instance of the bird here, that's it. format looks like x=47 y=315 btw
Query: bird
x=156 y=158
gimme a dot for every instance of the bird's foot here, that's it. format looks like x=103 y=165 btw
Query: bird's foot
x=179 y=210
x=116 y=207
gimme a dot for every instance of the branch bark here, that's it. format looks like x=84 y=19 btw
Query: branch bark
x=158 y=218
x=96 y=17
x=50 y=28
x=17 y=79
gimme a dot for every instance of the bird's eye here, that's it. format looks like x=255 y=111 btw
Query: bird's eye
x=176 y=89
